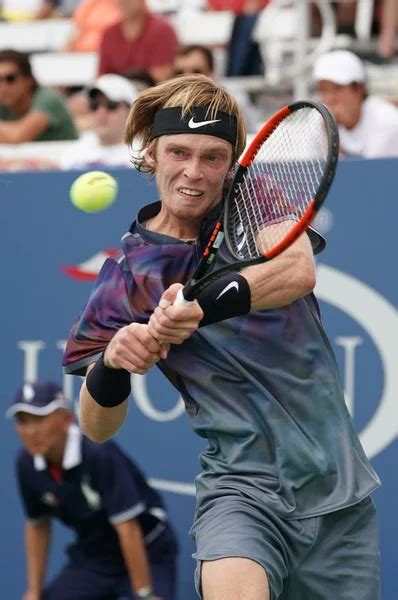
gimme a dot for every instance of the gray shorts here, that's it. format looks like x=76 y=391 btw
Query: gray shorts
x=334 y=556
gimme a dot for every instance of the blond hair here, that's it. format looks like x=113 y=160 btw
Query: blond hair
x=185 y=91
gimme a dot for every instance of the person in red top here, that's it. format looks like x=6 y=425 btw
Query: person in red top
x=236 y=6
x=140 y=40
x=243 y=54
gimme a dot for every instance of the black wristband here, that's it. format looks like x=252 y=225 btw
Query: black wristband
x=109 y=387
x=226 y=297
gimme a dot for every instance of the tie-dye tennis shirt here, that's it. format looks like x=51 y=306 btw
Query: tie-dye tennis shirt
x=262 y=388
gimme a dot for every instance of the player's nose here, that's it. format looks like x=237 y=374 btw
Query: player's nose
x=193 y=169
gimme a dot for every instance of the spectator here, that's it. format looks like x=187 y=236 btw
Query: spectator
x=368 y=125
x=27 y=10
x=243 y=54
x=110 y=99
x=90 y=19
x=141 y=40
x=387 y=38
x=383 y=27
x=199 y=59
x=28 y=111
x=124 y=545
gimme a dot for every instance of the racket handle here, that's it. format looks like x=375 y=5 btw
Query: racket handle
x=180 y=300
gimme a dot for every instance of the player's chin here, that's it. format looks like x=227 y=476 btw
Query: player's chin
x=199 y=205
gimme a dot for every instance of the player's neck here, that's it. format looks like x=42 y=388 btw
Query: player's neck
x=186 y=232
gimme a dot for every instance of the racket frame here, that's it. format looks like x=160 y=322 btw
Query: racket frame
x=200 y=280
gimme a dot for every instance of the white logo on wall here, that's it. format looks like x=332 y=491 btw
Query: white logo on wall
x=380 y=320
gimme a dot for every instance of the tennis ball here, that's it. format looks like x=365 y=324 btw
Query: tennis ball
x=93 y=191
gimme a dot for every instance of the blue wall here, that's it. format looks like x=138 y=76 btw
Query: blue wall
x=41 y=232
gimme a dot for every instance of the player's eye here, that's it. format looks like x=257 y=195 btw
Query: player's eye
x=178 y=152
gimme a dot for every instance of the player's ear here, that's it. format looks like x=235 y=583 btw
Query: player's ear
x=149 y=157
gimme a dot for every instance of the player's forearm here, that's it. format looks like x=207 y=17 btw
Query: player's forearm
x=135 y=555
x=97 y=422
x=37 y=542
x=286 y=278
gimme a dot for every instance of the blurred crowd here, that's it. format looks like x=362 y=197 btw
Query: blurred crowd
x=137 y=46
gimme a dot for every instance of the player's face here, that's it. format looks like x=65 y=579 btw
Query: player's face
x=43 y=434
x=13 y=84
x=344 y=101
x=190 y=172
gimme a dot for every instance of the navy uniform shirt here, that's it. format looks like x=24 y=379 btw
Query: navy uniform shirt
x=100 y=487
x=263 y=388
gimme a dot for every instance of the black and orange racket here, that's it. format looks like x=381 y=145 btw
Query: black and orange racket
x=280 y=184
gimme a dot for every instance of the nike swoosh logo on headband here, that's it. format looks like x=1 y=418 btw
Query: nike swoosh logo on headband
x=193 y=124
x=233 y=284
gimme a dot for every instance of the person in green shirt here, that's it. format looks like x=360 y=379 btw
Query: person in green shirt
x=28 y=111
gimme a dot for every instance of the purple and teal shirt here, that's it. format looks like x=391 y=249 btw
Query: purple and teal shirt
x=262 y=388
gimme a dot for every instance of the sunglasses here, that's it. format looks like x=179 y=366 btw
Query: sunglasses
x=9 y=78
x=95 y=104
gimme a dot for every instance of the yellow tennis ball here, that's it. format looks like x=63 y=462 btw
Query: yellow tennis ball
x=93 y=191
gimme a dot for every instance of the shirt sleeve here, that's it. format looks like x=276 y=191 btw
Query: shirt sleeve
x=117 y=485
x=48 y=103
x=107 y=310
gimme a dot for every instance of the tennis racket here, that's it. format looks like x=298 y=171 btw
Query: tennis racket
x=280 y=184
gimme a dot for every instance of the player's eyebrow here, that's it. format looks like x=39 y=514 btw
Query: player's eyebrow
x=216 y=148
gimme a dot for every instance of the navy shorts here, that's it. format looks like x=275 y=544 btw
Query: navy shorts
x=333 y=556
x=80 y=580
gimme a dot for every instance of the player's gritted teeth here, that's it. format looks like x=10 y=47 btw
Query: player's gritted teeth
x=189 y=192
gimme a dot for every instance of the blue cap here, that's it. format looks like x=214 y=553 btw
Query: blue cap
x=38 y=398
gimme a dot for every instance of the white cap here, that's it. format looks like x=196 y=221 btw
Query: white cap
x=339 y=66
x=115 y=87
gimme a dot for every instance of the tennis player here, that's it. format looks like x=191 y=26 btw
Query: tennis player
x=124 y=547
x=283 y=506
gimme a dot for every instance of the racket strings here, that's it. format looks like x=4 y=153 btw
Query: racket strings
x=280 y=184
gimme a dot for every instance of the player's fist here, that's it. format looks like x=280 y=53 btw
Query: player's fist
x=174 y=323
x=133 y=348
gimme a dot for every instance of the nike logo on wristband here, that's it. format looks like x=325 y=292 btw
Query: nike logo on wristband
x=233 y=284
x=193 y=124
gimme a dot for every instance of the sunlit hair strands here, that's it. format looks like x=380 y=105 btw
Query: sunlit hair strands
x=186 y=92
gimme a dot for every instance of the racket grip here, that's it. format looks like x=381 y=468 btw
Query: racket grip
x=180 y=300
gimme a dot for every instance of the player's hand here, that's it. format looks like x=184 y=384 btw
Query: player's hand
x=174 y=324
x=134 y=348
